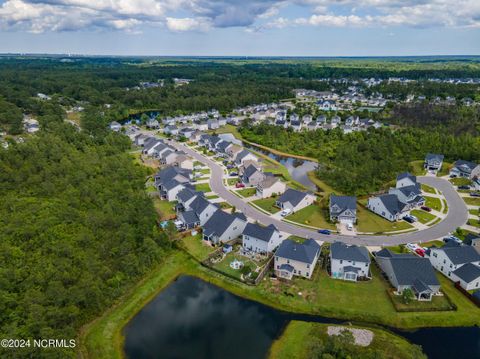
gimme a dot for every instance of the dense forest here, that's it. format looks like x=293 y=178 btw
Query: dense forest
x=77 y=230
x=362 y=162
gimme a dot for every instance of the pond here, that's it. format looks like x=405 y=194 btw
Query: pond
x=195 y=319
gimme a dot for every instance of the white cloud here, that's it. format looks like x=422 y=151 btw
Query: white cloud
x=187 y=24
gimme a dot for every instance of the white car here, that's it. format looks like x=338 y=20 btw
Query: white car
x=286 y=212
x=411 y=246
x=350 y=227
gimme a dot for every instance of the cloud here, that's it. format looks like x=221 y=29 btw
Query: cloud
x=254 y=15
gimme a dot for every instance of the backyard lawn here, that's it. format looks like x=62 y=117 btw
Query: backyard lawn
x=473 y=201
x=313 y=216
x=433 y=203
x=423 y=216
x=164 y=209
x=437 y=303
x=197 y=247
x=370 y=222
x=203 y=187
x=416 y=168
x=224 y=265
x=247 y=192
x=267 y=204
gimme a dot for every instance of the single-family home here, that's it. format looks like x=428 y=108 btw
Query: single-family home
x=349 y=262
x=387 y=206
x=405 y=179
x=172 y=173
x=188 y=219
x=252 y=176
x=186 y=132
x=450 y=258
x=410 y=195
x=152 y=123
x=269 y=186
x=294 y=200
x=473 y=240
x=243 y=156
x=212 y=124
x=169 y=190
x=343 y=209
x=167 y=157
x=140 y=139
x=260 y=239
x=408 y=271
x=202 y=208
x=296 y=125
x=296 y=259
x=234 y=150
x=171 y=130
x=465 y=169
x=433 y=162
x=223 y=227
x=183 y=161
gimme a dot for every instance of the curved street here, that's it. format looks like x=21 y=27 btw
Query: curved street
x=456 y=217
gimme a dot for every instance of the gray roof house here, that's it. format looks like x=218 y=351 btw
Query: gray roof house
x=410 y=195
x=406 y=179
x=433 y=162
x=409 y=271
x=468 y=275
x=260 y=239
x=387 y=206
x=349 y=262
x=294 y=200
x=343 y=209
x=244 y=156
x=223 y=227
x=252 y=176
x=464 y=169
x=203 y=208
x=189 y=219
x=299 y=259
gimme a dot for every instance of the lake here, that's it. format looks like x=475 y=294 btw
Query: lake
x=195 y=319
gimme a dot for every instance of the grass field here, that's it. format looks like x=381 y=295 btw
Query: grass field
x=267 y=204
x=322 y=186
x=433 y=203
x=416 y=168
x=164 y=209
x=213 y=196
x=203 y=187
x=473 y=201
x=369 y=222
x=474 y=222
x=460 y=181
x=204 y=171
x=423 y=216
x=292 y=343
x=232 y=181
x=197 y=247
x=437 y=303
x=474 y=212
x=224 y=265
x=428 y=189
x=313 y=216
x=225 y=205
x=445 y=169
x=247 y=192
x=367 y=302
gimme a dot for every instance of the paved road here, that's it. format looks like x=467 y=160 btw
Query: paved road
x=457 y=215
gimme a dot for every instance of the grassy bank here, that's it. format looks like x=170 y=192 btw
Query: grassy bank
x=293 y=342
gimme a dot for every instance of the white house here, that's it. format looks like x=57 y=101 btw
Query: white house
x=260 y=239
x=387 y=206
x=349 y=262
x=244 y=156
x=223 y=227
x=270 y=186
x=295 y=200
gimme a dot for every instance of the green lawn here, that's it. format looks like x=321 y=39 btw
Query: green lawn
x=232 y=181
x=313 y=216
x=433 y=203
x=225 y=205
x=164 y=209
x=460 y=181
x=213 y=196
x=369 y=222
x=416 y=168
x=196 y=246
x=203 y=187
x=227 y=129
x=474 y=222
x=198 y=163
x=293 y=344
x=423 y=216
x=267 y=204
x=224 y=265
x=474 y=211
x=204 y=171
x=445 y=169
x=473 y=201
x=247 y=192
x=322 y=186
x=428 y=189
x=437 y=303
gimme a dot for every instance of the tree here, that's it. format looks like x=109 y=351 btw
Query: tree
x=407 y=296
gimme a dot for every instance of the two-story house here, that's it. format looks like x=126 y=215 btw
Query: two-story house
x=349 y=262
x=296 y=259
x=343 y=209
x=260 y=239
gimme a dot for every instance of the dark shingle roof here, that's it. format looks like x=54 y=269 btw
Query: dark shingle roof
x=293 y=196
x=186 y=193
x=465 y=164
x=304 y=252
x=468 y=272
x=409 y=268
x=470 y=238
x=461 y=254
x=391 y=203
x=259 y=232
x=242 y=154
x=434 y=156
x=344 y=202
x=250 y=170
x=189 y=217
x=342 y=251
x=218 y=223
x=406 y=175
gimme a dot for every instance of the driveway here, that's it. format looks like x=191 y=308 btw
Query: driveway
x=457 y=215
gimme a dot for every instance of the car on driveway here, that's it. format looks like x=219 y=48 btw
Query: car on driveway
x=411 y=246
x=408 y=219
x=233 y=174
x=426 y=209
x=286 y=212
x=239 y=185
x=324 y=231
x=420 y=252
x=475 y=194
x=463 y=187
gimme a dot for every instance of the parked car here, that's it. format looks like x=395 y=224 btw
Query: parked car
x=350 y=227
x=324 y=231
x=411 y=246
x=239 y=185
x=233 y=174
x=420 y=252
x=415 y=219
x=452 y=238
x=464 y=187
x=408 y=219
x=425 y=208
x=230 y=166
x=475 y=194
x=286 y=212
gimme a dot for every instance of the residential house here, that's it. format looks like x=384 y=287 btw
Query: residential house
x=172 y=173
x=349 y=262
x=233 y=150
x=183 y=161
x=269 y=186
x=343 y=209
x=170 y=189
x=296 y=259
x=223 y=227
x=410 y=195
x=473 y=240
x=202 y=208
x=405 y=179
x=260 y=239
x=252 y=176
x=188 y=219
x=213 y=124
x=243 y=156
x=465 y=169
x=387 y=206
x=171 y=130
x=152 y=123
x=408 y=271
x=140 y=139
x=167 y=157
x=449 y=260
x=296 y=125
x=433 y=162
x=186 y=132
x=294 y=200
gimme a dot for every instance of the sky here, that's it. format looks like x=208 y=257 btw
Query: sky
x=241 y=27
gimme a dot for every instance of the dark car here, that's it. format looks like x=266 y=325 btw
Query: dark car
x=324 y=231
x=408 y=219
x=233 y=174
x=425 y=208
x=475 y=194
x=464 y=187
